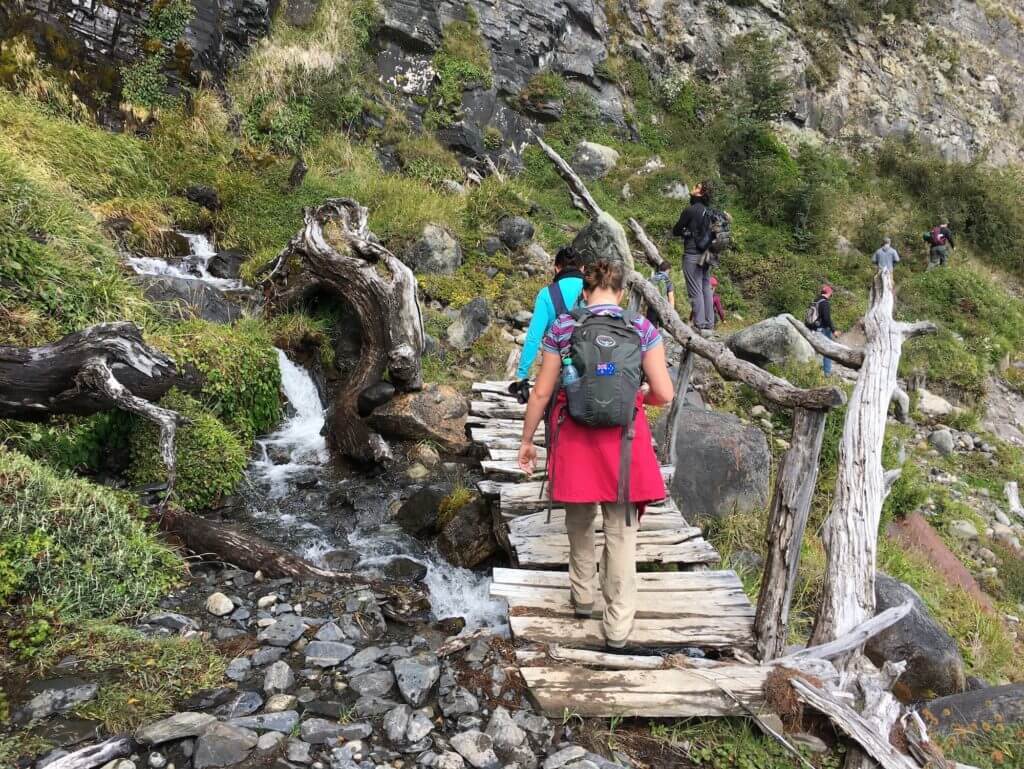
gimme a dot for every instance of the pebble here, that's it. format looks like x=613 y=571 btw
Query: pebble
x=298 y=752
x=269 y=741
x=330 y=631
x=157 y=760
x=327 y=654
x=266 y=655
x=477 y=748
x=280 y=702
x=267 y=601
x=219 y=605
x=279 y=678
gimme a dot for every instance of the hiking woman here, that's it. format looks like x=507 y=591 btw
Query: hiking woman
x=692 y=225
x=584 y=462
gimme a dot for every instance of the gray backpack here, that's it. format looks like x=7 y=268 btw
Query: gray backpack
x=606 y=352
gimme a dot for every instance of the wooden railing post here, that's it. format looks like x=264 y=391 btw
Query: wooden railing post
x=791 y=505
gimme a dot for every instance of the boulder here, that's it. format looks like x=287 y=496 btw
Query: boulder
x=58 y=695
x=226 y=264
x=933 y=406
x=934 y=666
x=771 y=341
x=402 y=569
x=374 y=396
x=472 y=322
x=416 y=677
x=418 y=514
x=514 y=231
x=975 y=711
x=436 y=413
x=593 y=161
x=203 y=195
x=603 y=238
x=723 y=465
x=436 y=252
x=467 y=535
x=942 y=441
x=184 y=298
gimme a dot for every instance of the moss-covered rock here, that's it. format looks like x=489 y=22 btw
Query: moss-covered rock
x=211 y=458
x=75 y=547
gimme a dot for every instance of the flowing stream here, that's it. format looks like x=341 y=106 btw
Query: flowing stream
x=294 y=496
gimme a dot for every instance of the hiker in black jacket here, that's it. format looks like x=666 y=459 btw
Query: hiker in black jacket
x=696 y=267
x=824 y=323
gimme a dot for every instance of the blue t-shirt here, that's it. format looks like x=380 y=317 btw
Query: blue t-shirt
x=543 y=316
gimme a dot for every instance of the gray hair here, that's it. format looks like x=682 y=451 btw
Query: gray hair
x=886 y=241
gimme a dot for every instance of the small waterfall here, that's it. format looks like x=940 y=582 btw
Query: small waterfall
x=297 y=446
x=193 y=267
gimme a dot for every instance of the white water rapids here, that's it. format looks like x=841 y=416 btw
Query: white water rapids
x=192 y=267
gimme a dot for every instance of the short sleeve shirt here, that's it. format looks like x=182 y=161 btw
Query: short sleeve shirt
x=557 y=340
x=664 y=278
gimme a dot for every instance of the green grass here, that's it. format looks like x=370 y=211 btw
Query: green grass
x=993 y=746
x=100 y=556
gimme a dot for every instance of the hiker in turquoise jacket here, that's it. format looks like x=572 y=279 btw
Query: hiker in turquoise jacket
x=553 y=300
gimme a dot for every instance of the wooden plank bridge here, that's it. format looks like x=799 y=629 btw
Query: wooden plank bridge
x=683 y=602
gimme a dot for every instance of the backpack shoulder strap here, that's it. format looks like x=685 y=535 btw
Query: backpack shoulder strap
x=580 y=314
x=630 y=318
x=557 y=299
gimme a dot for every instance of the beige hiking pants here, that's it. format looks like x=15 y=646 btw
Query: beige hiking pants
x=618 y=564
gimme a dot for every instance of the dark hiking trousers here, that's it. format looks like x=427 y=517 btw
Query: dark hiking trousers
x=698 y=288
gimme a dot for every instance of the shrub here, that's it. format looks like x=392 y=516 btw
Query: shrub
x=210 y=458
x=238 y=364
x=422 y=157
x=284 y=126
x=81 y=549
x=756 y=89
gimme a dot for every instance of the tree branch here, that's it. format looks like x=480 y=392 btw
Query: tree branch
x=848 y=356
x=651 y=252
x=582 y=197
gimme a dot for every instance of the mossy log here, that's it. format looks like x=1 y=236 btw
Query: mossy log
x=336 y=253
x=101 y=368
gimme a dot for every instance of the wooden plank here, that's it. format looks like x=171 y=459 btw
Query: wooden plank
x=673 y=693
x=505 y=455
x=551 y=554
x=498 y=388
x=534 y=524
x=555 y=601
x=511 y=410
x=525 y=497
x=650 y=581
x=706 y=632
x=510 y=469
x=501 y=438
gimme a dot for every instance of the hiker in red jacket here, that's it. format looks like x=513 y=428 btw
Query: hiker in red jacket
x=610 y=467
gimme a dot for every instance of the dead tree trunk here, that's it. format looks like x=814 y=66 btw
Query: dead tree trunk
x=335 y=252
x=104 y=367
x=851 y=530
x=791 y=504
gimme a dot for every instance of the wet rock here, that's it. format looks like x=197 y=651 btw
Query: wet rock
x=283 y=721
x=242 y=704
x=564 y=756
x=283 y=632
x=773 y=340
x=279 y=678
x=436 y=413
x=436 y=252
x=942 y=441
x=418 y=514
x=373 y=397
x=226 y=264
x=473 y=321
x=416 y=677
x=219 y=605
x=603 y=238
x=327 y=654
x=341 y=560
x=504 y=731
x=238 y=669
x=183 y=298
x=58 y=695
x=977 y=710
x=593 y=161
x=404 y=569
x=223 y=745
x=477 y=748
x=514 y=231
x=722 y=467
x=467 y=536
x=171 y=621
x=203 y=195
x=375 y=683
x=934 y=666
x=298 y=752
x=176 y=727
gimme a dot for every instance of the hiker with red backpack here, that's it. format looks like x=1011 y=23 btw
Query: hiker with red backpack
x=555 y=299
x=600 y=454
x=940 y=241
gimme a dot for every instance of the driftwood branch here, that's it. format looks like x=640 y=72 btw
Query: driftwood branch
x=791 y=505
x=855 y=726
x=335 y=252
x=101 y=368
x=1013 y=498
x=582 y=198
x=855 y=638
x=852 y=357
x=95 y=755
x=850 y=533
x=650 y=251
x=775 y=389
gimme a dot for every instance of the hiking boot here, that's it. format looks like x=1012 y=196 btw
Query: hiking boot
x=581 y=610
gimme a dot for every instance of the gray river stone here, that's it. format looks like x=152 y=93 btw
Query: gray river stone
x=375 y=683
x=477 y=748
x=416 y=676
x=279 y=678
x=223 y=745
x=176 y=727
x=327 y=654
x=242 y=704
x=59 y=695
x=284 y=721
x=284 y=632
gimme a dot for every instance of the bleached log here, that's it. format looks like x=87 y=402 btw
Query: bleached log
x=684 y=373
x=582 y=198
x=881 y=710
x=1013 y=498
x=650 y=251
x=335 y=252
x=791 y=505
x=95 y=755
x=773 y=388
x=854 y=725
x=850 y=533
x=855 y=638
x=104 y=367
